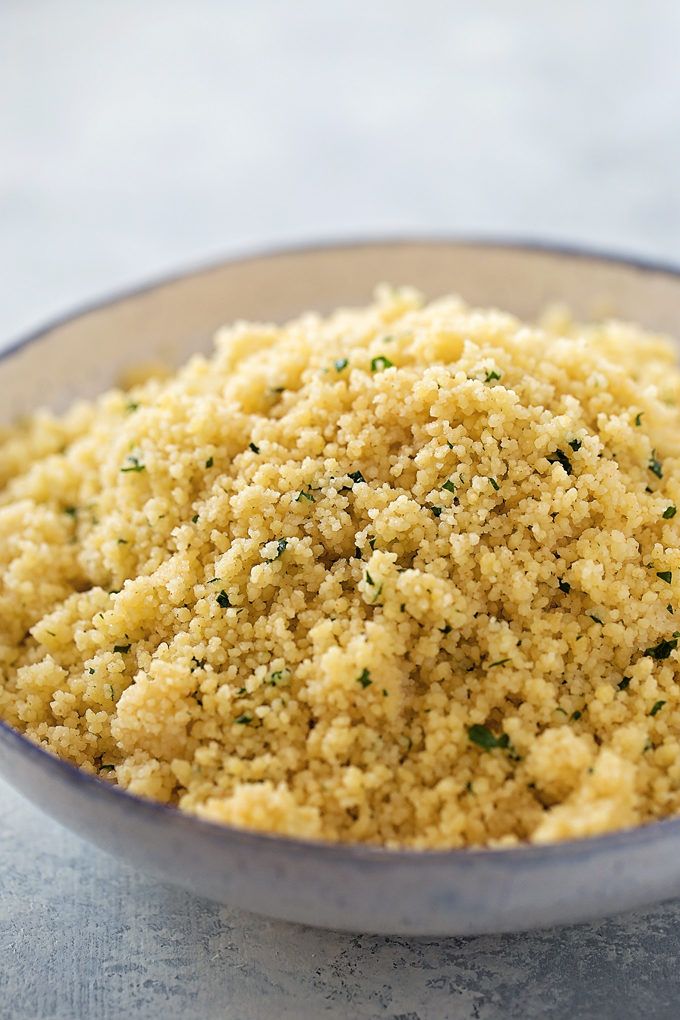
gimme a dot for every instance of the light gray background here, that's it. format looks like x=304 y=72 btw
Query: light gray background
x=137 y=136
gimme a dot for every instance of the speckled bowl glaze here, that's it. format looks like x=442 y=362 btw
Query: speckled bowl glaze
x=356 y=888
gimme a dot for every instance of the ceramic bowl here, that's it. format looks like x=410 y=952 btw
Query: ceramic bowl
x=349 y=887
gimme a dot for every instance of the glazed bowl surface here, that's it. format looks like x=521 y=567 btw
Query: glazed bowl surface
x=356 y=888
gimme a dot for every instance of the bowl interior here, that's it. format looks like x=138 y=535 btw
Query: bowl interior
x=82 y=355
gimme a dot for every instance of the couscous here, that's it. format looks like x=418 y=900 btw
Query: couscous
x=408 y=575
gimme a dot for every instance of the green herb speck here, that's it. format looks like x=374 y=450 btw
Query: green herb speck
x=494 y=484
x=564 y=586
x=243 y=720
x=281 y=547
x=669 y=512
x=437 y=510
x=484 y=738
x=575 y=444
x=492 y=376
x=253 y=447
x=662 y=650
x=499 y=662
x=134 y=465
x=624 y=683
x=380 y=363
x=209 y=462
x=665 y=575
x=655 y=465
x=364 y=679
x=560 y=457
x=657 y=706
x=194 y=519
x=223 y=600
x=449 y=486
x=356 y=476
x=123 y=649
x=638 y=419
x=341 y=364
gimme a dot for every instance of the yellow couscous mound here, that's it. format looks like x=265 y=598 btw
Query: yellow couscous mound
x=408 y=575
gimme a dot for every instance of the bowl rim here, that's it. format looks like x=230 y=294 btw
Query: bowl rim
x=92 y=785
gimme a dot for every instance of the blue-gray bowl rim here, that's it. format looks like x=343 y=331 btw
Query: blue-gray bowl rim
x=526 y=852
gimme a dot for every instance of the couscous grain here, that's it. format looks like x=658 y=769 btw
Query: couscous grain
x=409 y=575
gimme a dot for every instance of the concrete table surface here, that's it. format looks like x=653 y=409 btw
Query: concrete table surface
x=137 y=138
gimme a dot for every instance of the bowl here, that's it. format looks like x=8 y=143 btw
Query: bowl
x=350 y=887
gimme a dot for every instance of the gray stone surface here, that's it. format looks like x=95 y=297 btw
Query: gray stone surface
x=138 y=137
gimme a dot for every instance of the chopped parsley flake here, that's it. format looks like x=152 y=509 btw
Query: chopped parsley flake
x=243 y=720
x=123 y=649
x=494 y=484
x=446 y=629
x=662 y=650
x=665 y=575
x=279 y=677
x=655 y=465
x=576 y=715
x=638 y=419
x=658 y=705
x=134 y=465
x=437 y=510
x=223 y=600
x=484 y=738
x=71 y=510
x=560 y=457
x=253 y=447
x=624 y=683
x=575 y=444
x=564 y=586
x=669 y=512
x=194 y=519
x=281 y=546
x=304 y=495
x=499 y=662
x=492 y=376
x=356 y=476
x=209 y=462
x=595 y=619
x=449 y=486
x=364 y=678
x=341 y=364
x=131 y=406
x=380 y=363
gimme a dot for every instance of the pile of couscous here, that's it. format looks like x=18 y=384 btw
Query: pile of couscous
x=407 y=575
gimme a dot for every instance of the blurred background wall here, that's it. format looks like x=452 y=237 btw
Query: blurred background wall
x=137 y=136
